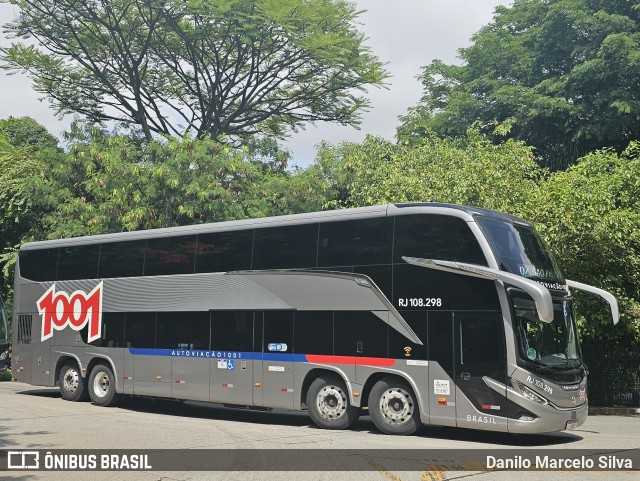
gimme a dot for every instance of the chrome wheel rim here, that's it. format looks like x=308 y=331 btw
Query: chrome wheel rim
x=396 y=406
x=101 y=384
x=331 y=402
x=71 y=380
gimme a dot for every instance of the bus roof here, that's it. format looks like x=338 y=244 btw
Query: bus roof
x=464 y=212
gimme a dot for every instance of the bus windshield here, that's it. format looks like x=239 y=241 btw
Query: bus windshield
x=550 y=345
x=519 y=250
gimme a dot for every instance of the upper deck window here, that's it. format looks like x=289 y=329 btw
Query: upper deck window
x=439 y=237
x=519 y=250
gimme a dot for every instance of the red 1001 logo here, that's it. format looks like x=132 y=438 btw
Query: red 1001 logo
x=59 y=310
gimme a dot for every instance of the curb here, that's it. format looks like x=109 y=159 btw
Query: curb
x=614 y=411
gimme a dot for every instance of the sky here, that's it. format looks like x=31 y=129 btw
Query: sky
x=405 y=34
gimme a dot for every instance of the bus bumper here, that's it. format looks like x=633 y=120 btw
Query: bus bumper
x=548 y=419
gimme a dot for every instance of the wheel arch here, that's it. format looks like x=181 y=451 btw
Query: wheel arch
x=374 y=378
x=314 y=374
x=100 y=359
x=63 y=360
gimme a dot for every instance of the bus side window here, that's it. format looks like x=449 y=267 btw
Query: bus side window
x=39 y=265
x=113 y=329
x=79 y=262
x=140 y=329
x=285 y=247
x=121 y=259
x=313 y=332
x=232 y=331
x=278 y=332
x=183 y=330
x=366 y=240
x=435 y=237
x=224 y=251
x=170 y=255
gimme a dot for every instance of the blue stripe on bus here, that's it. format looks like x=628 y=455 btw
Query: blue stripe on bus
x=200 y=353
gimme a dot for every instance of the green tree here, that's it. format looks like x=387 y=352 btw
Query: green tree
x=216 y=68
x=26 y=148
x=468 y=170
x=590 y=217
x=562 y=75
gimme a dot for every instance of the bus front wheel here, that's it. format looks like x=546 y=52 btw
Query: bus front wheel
x=73 y=386
x=393 y=407
x=328 y=403
x=102 y=386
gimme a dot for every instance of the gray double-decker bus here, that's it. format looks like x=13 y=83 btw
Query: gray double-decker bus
x=420 y=313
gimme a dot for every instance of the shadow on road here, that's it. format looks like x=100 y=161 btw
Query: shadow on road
x=205 y=410
x=41 y=392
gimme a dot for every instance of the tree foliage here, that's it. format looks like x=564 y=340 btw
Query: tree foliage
x=216 y=67
x=112 y=183
x=562 y=75
x=468 y=171
x=590 y=216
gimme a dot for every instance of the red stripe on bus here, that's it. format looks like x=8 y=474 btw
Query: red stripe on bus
x=360 y=361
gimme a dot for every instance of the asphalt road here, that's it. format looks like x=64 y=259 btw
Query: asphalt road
x=37 y=418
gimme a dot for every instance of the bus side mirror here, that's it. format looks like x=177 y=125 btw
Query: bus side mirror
x=607 y=296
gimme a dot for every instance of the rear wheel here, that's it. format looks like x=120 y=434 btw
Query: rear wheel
x=393 y=407
x=102 y=386
x=328 y=403
x=73 y=386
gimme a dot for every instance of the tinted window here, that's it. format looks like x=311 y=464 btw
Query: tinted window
x=355 y=242
x=420 y=288
x=440 y=340
x=224 y=251
x=182 y=330
x=520 y=250
x=353 y=329
x=140 y=329
x=78 y=262
x=313 y=332
x=232 y=331
x=171 y=255
x=481 y=344
x=285 y=247
x=122 y=259
x=436 y=237
x=39 y=265
x=112 y=330
x=278 y=331
x=401 y=347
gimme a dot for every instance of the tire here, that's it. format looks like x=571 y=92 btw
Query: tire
x=328 y=403
x=73 y=387
x=102 y=386
x=393 y=407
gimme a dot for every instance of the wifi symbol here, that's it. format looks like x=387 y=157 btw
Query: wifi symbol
x=407 y=351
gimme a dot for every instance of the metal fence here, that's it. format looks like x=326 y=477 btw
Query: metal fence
x=614 y=374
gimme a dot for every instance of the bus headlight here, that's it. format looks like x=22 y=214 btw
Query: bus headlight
x=531 y=395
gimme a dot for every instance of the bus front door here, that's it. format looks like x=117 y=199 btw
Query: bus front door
x=480 y=360
x=441 y=385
